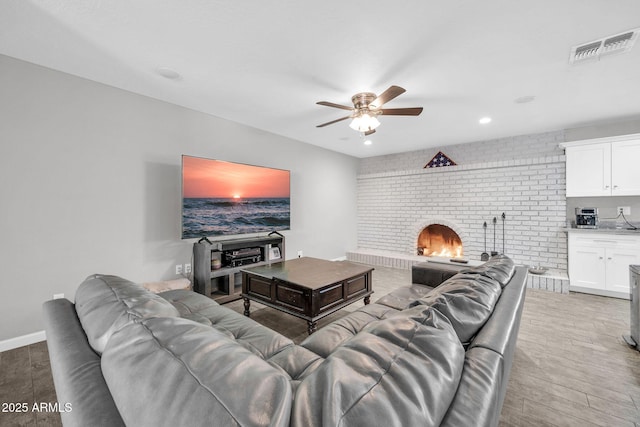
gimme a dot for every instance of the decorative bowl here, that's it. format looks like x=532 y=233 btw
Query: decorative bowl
x=537 y=269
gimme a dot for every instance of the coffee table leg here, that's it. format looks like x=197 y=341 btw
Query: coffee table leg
x=312 y=327
x=247 y=304
x=367 y=299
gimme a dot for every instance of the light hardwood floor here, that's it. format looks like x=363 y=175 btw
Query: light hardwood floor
x=571 y=366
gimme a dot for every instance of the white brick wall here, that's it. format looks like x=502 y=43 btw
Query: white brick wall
x=522 y=176
x=512 y=148
x=531 y=192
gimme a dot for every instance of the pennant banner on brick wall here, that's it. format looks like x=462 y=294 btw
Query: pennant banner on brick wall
x=440 y=160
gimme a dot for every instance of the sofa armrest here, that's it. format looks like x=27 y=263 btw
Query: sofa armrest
x=500 y=333
x=477 y=402
x=76 y=370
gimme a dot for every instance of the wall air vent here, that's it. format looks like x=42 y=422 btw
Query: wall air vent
x=618 y=43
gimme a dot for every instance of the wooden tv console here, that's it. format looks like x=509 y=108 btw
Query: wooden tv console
x=214 y=277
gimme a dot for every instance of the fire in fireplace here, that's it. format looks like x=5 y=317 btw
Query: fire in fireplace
x=439 y=240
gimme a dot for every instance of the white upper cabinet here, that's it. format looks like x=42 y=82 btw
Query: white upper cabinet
x=625 y=168
x=589 y=170
x=603 y=167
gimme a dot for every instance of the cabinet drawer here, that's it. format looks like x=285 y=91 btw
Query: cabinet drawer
x=259 y=286
x=605 y=240
x=290 y=297
x=331 y=295
x=356 y=285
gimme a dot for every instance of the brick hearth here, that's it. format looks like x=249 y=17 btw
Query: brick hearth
x=552 y=280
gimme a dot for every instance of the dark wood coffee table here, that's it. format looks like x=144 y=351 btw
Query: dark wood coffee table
x=308 y=288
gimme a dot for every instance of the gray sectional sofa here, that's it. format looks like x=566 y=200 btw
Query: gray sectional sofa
x=124 y=356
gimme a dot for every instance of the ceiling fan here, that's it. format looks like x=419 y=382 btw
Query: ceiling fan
x=367 y=107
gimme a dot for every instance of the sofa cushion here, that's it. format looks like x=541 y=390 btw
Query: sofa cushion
x=175 y=372
x=467 y=300
x=187 y=302
x=297 y=362
x=499 y=267
x=327 y=339
x=255 y=337
x=395 y=372
x=404 y=297
x=105 y=304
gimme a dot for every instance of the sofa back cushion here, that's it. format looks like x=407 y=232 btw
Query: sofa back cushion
x=175 y=372
x=396 y=372
x=105 y=304
x=499 y=267
x=466 y=299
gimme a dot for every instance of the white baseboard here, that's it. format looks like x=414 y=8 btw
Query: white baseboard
x=342 y=258
x=21 y=341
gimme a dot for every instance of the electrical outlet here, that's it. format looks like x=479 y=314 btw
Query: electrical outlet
x=300 y=254
x=58 y=296
x=187 y=268
x=179 y=269
x=625 y=210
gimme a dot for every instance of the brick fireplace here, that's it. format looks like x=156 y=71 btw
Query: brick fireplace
x=394 y=207
x=439 y=238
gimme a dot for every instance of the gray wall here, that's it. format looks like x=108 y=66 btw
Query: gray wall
x=90 y=183
x=604 y=129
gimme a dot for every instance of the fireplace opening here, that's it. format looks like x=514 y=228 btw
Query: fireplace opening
x=439 y=240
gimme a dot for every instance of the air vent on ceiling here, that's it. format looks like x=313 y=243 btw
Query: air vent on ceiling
x=618 y=43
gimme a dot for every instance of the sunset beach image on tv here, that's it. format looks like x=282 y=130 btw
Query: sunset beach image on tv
x=223 y=198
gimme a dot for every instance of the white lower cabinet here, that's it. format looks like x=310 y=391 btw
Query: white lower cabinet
x=599 y=262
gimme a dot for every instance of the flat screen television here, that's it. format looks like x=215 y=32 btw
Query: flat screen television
x=223 y=198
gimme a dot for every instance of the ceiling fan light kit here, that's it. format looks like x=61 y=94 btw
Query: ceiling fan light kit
x=367 y=107
x=364 y=123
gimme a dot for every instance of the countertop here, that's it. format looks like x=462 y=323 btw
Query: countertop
x=602 y=230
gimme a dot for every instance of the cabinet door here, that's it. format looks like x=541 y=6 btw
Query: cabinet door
x=618 y=261
x=589 y=170
x=587 y=267
x=625 y=168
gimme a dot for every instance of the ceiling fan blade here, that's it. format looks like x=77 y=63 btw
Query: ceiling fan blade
x=331 y=104
x=333 y=121
x=369 y=132
x=401 y=111
x=386 y=96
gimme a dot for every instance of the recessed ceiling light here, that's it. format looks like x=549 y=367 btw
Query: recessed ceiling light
x=367 y=142
x=484 y=120
x=168 y=73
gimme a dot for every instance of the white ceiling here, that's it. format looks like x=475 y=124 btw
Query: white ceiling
x=266 y=63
